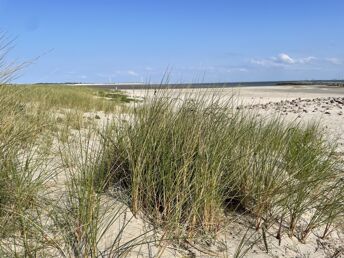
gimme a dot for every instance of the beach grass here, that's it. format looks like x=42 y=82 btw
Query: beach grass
x=52 y=201
x=85 y=99
x=189 y=166
x=188 y=162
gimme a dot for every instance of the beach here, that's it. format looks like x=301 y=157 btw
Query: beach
x=73 y=146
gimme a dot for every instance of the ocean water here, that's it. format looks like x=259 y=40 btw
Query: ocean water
x=217 y=85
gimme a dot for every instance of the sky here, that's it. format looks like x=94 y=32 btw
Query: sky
x=103 y=41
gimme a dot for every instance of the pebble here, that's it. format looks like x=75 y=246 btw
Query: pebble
x=299 y=105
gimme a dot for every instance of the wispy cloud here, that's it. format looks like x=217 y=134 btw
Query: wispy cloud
x=132 y=73
x=307 y=60
x=283 y=59
x=148 y=68
x=334 y=60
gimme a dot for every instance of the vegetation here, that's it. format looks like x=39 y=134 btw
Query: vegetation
x=186 y=162
x=51 y=197
x=85 y=99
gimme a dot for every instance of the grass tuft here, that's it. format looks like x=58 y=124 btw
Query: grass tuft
x=186 y=162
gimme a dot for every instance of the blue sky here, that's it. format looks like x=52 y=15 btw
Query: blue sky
x=193 y=40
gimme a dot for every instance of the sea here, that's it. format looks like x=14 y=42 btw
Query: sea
x=127 y=86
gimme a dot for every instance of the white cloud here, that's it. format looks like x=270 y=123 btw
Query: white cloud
x=261 y=62
x=269 y=62
x=334 y=60
x=307 y=60
x=282 y=60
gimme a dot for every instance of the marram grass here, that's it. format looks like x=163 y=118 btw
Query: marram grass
x=187 y=162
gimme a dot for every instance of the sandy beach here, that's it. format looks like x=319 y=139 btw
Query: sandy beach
x=134 y=234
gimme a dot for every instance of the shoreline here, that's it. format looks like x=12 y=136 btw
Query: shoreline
x=141 y=86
